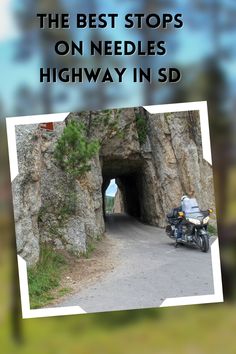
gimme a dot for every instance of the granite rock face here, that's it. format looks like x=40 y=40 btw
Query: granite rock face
x=152 y=173
x=50 y=207
x=118 y=207
x=26 y=191
x=178 y=162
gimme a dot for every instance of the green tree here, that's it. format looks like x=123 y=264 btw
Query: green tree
x=74 y=150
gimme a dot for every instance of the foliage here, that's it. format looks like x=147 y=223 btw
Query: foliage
x=68 y=206
x=90 y=248
x=109 y=202
x=74 y=150
x=107 y=122
x=141 y=125
x=91 y=245
x=45 y=277
x=212 y=230
x=107 y=118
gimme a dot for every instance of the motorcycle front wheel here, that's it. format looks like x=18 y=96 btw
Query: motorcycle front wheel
x=204 y=243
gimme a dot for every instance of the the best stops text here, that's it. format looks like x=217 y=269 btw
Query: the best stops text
x=105 y=48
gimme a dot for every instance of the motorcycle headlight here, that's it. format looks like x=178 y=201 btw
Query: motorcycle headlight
x=194 y=221
x=205 y=220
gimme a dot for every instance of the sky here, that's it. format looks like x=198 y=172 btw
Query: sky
x=193 y=46
x=7 y=26
x=111 y=189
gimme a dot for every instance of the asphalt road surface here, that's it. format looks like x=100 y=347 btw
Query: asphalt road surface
x=149 y=270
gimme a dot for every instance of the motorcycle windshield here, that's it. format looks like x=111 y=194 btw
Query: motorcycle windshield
x=191 y=209
x=194 y=215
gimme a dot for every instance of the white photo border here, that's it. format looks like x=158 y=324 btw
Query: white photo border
x=217 y=296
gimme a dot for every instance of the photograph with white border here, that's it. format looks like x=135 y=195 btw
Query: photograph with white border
x=114 y=209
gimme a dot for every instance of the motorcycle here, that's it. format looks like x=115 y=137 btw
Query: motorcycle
x=194 y=228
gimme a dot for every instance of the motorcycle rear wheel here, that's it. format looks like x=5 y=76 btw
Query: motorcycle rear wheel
x=169 y=231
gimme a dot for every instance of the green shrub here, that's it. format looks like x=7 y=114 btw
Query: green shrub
x=109 y=203
x=141 y=124
x=90 y=248
x=74 y=150
x=45 y=277
x=212 y=230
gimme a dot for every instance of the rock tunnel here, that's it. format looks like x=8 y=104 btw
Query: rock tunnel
x=131 y=179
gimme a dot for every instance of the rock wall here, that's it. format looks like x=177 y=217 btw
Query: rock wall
x=152 y=176
x=118 y=207
x=176 y=146
x=48 y=206
x=26 y=191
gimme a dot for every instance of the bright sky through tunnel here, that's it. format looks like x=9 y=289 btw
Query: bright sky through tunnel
x=109 y=196
x=111 y=189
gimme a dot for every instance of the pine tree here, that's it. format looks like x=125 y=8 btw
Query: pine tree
x=74 y=150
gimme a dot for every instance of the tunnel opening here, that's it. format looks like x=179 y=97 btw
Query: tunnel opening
x=110 y=197
x=122 y=180
x=129 y=187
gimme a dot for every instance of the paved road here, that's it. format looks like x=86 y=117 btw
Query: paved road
x=149 y=270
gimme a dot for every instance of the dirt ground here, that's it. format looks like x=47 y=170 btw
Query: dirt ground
x=84 y=271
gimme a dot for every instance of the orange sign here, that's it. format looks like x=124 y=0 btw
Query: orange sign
x=47 y=126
